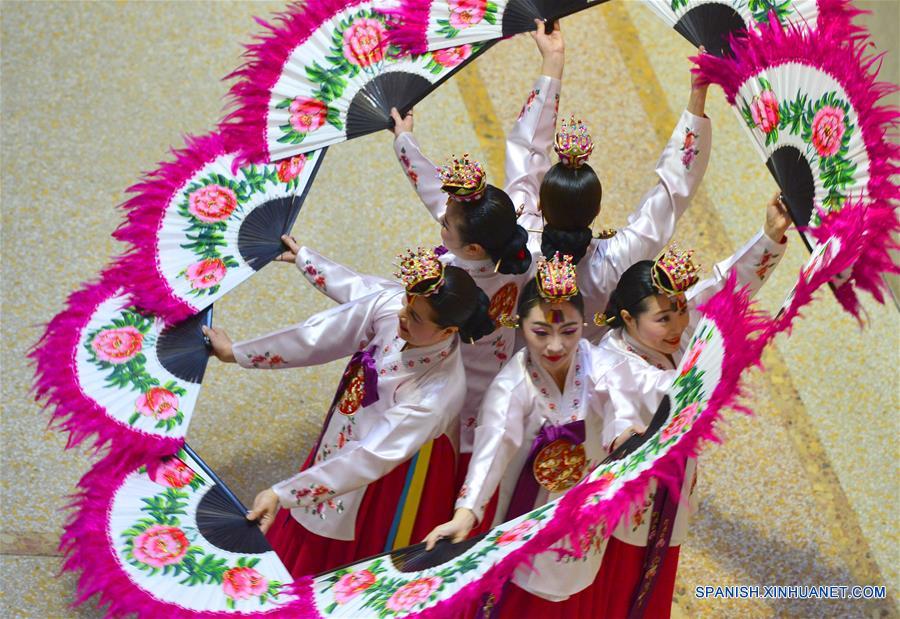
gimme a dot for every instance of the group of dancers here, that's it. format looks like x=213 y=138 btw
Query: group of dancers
x=505 y=362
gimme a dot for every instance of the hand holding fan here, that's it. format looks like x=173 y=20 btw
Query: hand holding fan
x=326 y=74
x=711 y=23
x=121 y=374
x=199 y=226
x=428 y=25
x=808 y=100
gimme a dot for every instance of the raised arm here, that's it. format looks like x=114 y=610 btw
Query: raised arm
x=754 y=261
x=338 y=282
x=324 y=337
x=650 y=227
x=528 y=143
x=419 y=169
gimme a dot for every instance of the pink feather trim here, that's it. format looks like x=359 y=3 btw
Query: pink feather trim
x=88 y=549
x=56 y=381
x=842 y=54
x=408 y=28
x=138 y=269
x=245 y=126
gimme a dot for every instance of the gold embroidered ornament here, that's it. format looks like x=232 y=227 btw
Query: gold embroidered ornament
x=353 y=395
x=559 y=465
x=556 y=283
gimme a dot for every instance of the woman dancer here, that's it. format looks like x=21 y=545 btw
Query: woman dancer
x=483 y=236
x=399 y=395
x=653 y=315
x=531 y=442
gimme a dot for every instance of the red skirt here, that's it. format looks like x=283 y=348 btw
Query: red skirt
x=489 y=511
x=620 y=574
x=304 y=553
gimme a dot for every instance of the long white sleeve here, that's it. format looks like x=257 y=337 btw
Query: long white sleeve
x=336 y=281
x=753 y=263
x=528 y=149
x=650 y=227
x=335 y=333
x=422 y=174
x=498 y=437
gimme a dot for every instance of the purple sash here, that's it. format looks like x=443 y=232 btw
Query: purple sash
x=527 y=487
x=662 y=521
x=366 y=361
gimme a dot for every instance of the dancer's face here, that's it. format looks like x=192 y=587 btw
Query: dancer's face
x=552 y=332
x=451 y=224
x=417 y=323
x=661 y=324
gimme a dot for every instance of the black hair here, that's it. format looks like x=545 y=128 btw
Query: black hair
x=491 y=222
x=460 y=303
x=631 y=293
x=530 y=297
x=570 y=201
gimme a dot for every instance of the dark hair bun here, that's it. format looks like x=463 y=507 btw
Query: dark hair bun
x=567 y=242
x=479 y=323
x=515 y=257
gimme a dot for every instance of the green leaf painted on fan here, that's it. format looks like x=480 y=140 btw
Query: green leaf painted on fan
x=284 y=104
x=446 y=30
x=334 y=118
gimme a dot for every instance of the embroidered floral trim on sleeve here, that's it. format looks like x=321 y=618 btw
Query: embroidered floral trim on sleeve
x=313 y=275
x=527 y=107
x=688 y=151
x=765 y=265
x=266 y=360
x=408 y=168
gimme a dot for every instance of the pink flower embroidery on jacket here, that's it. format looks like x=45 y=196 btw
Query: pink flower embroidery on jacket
x=765 y=265
x=688 y=150
x=527 y=107
x=266 y=360
x=313 y=275
x=408 y=168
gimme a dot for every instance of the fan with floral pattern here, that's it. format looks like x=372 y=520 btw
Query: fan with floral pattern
x=428 y=25
x=326 y=74
x=119 y=373
x=808 y=100
x=200 y=225
x=711 y=23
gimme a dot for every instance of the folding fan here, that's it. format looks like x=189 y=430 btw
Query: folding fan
x=121 y=374
x=327 y=74
x=808 y=101
x=199 y=225
x=712 y=22
x=168 y=538
x=429 y=25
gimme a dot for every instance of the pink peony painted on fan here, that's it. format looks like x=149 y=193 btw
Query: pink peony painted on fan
x=352 y=584
x=409 y=595
x=764 y=110
x=206 y=273
x=160 y=546
x=692 y=355
x=828 y=130
x=364 y=42
x=451 y=56
x=466 y=13
x=158 y=403
x=117 y=345
x=289 y=169
x=242 y=583
x=516 y=533
x=212 y=203
x=171 y=473
x=307 y=114
x=675 y=426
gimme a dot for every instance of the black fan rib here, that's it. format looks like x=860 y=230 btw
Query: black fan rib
x=710 y=25
x=792 y=173
x=182 y=348
x=225 y=526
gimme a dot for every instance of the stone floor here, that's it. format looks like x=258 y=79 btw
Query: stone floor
x=94 y=93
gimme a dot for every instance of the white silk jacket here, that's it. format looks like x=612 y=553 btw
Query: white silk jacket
x=527 y=150
x=632 y=379
x=420 y=391
x=521 y=400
